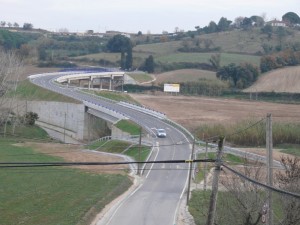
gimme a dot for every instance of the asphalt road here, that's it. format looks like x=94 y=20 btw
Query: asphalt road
x=157 y=199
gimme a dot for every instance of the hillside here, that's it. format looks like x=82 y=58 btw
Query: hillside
x=281 y=80
x=184 y=75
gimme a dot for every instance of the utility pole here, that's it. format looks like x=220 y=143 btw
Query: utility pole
x=215 y=184
x=190 y=173
x=205 y=167
x=65 y=128
x=140 y=147
x=269 y=146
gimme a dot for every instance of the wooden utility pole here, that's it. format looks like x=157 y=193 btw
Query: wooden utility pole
x=140 y=147
x=205 y=167
x=269 y=146
x=215 y=184
x=65 y=127
x=190 y=173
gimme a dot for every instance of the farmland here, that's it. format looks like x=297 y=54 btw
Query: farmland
x=280 y=80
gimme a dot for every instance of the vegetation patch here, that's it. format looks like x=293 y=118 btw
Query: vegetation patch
x=116 y=96
x=24 y=132
x=129 y=127
x=226 y=58
x=140 y=77
x=138 y=153
x=283 y=132
x=28 y=91
x=292 y=149
x=33 y=196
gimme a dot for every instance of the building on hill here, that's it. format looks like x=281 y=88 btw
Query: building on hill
x=277 y=23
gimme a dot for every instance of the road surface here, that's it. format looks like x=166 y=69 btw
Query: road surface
x=157 y=200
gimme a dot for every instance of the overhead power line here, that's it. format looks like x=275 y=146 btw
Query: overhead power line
x=261 y=184
x=51 y=164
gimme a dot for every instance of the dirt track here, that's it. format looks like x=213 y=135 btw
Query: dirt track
x=191 y=112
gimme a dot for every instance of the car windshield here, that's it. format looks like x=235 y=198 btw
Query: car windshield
x=161 y=131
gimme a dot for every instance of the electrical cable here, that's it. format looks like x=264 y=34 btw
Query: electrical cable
x=261 y=184
x=50 y=164
x=213 y=138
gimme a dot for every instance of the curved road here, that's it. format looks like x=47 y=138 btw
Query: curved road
x=157 y=199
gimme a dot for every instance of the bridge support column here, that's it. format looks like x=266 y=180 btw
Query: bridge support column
x=110 y=82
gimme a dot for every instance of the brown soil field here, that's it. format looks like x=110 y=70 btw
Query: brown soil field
x=76 y=153
x=281 y=80
x=184 y=75
x=192 y=112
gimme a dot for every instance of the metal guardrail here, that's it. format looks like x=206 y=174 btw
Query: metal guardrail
x=104 y=109
x=130 y=138
x=143 y=109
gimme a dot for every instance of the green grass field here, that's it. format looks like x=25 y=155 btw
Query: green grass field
x=140 y=77
x=226 y=58
x=129 y=127
x=116 y=96
x=34 y=196
x=29 y=91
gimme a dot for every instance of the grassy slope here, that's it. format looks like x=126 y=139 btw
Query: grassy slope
x=185 y=75
x=280 y=80
x=29 y=91
x=226 y=58
x=33 y=196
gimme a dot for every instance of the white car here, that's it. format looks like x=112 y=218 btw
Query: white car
x=161 y=133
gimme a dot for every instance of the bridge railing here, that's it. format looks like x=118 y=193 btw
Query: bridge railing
x=143 y=109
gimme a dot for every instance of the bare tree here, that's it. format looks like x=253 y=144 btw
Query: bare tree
x=10 y=69
x=289 y=180
x=244 y=200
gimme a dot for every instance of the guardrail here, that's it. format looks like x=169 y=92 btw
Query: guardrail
x=106 y=110
x=130 y=138
x=143 y=109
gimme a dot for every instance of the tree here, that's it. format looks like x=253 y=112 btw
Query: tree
x=30 y=118
x=9 y=24
x=128 y=60
x=268 y=29
x=258 y=20
x=149 y=64
x=27 y=26
x=122 y=44
x=16 y=25
x=230 y=73
x=212 y=27
x=238 y=21
x=215 y=61
x=224 y=24
x=291 y=18
x=240 y=76
x=289 y=180
x=10 y=69
x=247 y=23
x=243 y=202
x=281 y=33
x=2 y=23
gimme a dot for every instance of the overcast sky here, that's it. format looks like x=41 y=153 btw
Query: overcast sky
x=154 y=16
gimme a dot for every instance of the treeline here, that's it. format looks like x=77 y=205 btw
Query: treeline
x=12 y=40
x=204 y=87
x=279 y=60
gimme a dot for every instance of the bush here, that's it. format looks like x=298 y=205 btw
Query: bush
x=30 y=118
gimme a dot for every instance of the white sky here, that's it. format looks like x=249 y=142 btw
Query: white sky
x=136 y=15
